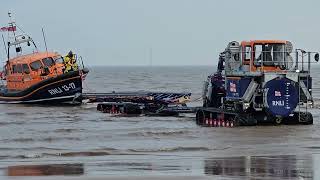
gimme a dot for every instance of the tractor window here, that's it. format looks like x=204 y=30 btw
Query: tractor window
x=247 y=53
x=263 y=53
x=257 y=55
x=269 y=54
x=278 y=54
x=35 y=65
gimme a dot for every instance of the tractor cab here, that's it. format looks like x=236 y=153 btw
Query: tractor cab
x=266 y=56
x=263 y=56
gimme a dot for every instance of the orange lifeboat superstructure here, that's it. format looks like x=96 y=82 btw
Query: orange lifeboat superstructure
x=25 y=71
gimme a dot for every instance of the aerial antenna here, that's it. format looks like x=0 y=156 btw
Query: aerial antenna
x=44 y=39
x=11 y=24
x=5 y=46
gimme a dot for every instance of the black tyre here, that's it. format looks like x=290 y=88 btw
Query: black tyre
x=200 y=117
x=306 y=118
x=99 y=107
x=278 y=121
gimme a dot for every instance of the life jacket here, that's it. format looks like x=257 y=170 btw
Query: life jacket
x=75 y=66
x=70 y=63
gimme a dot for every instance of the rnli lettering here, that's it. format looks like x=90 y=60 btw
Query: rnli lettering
x=55 y=91
x=61 y=89
x=277 y=103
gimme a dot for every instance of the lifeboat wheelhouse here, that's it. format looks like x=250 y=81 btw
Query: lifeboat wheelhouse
x=25 y=71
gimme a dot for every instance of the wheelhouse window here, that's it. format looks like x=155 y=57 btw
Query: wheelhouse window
x=25 y=68
x=36 y=65
x=14 y=68
x=58 y=59
x=48 y=62
x=6 y=71
x=17 y=68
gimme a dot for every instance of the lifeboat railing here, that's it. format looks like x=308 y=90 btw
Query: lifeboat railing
x=80 y=60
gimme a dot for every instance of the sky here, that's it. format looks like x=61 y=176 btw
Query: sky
x=161 y=32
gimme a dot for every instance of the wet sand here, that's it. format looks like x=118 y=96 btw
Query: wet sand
x=243 y=167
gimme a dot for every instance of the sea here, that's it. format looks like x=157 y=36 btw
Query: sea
x=112 y=145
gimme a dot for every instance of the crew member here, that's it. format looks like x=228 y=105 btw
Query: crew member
x=70 y=63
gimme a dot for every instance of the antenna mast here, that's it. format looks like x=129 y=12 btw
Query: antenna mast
x=44 y=39
x=18 y=39
x=4 y=44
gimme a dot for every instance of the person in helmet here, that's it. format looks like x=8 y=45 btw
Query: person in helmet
x=70 y=62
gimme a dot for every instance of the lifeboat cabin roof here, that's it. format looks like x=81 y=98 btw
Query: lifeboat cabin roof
x=32 y=57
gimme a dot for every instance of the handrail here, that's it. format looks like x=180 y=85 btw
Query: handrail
x=283 y=60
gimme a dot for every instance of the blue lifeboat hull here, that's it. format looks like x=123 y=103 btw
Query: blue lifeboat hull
x=65 y=88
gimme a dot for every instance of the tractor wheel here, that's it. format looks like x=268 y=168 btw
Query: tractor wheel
x=278 y=121
x=200 y=117
x=99 y=107
x=306 y=118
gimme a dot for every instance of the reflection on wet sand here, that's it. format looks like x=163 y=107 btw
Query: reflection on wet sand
x=284 y=167
x=46 y=170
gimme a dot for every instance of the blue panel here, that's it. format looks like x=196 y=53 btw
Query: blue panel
x=236 y=87
x=282 y=96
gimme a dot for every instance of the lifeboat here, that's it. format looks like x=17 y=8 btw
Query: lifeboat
x=39 y=77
